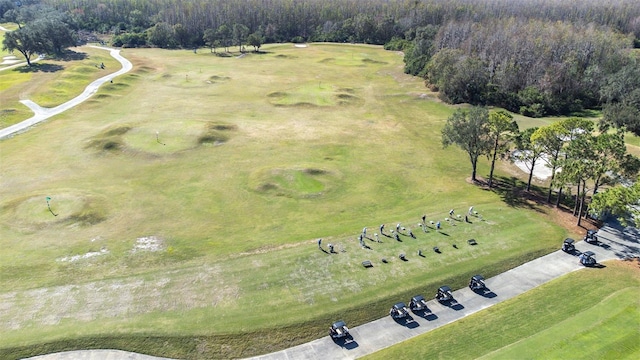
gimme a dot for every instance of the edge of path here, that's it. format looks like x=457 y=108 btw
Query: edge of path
x=41 y=113
x=616 y=242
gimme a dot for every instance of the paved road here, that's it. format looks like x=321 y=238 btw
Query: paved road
x=616 y=243
x=41 y=114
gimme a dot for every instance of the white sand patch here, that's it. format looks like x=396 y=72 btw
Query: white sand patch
x=91 y=254
x=541 y=171
x=148 y=243
x=300 y=45
x=8 y=60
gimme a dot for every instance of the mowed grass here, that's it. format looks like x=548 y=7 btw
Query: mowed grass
x=591 y=314
x=50 y=82
x=190 y=154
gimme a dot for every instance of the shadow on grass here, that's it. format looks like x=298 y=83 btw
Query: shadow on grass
x=39 y=67
x=513 y=193
x=70 y=55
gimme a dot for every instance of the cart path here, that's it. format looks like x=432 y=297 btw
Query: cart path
x=616 y=243
x=41 y=113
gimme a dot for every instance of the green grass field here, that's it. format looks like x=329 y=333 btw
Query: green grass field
x=188 y=196
x=50 y=82
x=589 y=314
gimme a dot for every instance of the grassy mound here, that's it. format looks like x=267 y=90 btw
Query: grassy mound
x=293 y=182
x=164 y=138
x=161 y=139
x=216 y=134
x=110 y=140
x=67 y=207
x=312 y=95
x=218 y=78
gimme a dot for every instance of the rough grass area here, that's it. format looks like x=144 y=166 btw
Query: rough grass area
x=194 y=207
x=293 y=182
x=592 y=313
x=315 y=94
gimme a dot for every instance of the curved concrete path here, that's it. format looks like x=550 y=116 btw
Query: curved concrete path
x=41 y=114
x=616 y=242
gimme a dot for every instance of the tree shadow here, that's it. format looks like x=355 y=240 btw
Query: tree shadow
x=513 y=193
x=39 y=67
x=70 y=55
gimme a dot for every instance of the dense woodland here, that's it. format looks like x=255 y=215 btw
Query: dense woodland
x=533 y=57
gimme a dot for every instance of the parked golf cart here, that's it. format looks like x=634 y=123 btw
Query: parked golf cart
x=591 y=237
x=588 y=258
x=418 y=303
x=399 y=310
x=477 y=283
x=338 y=330
x=568 y=245
x=444 y=294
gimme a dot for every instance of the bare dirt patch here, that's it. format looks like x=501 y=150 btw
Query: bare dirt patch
x=179 y=290
x=88 y=255
x=631 y=263
x=148 y=243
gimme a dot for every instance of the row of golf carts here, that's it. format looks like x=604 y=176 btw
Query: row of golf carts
x=444 y=295
x=587 y=258
x=417 y=304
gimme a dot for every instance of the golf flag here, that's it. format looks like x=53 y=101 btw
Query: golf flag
x=48 y=198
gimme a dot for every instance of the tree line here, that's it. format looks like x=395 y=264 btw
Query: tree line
x=533 y=57
x=365 y=21
x=578 y=157
x=533 y=67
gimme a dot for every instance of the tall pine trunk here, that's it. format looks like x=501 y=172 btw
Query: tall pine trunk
x=493 y=162
x=575 y=204
x=582 y=196
x=553 y=175
x=533 y=165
